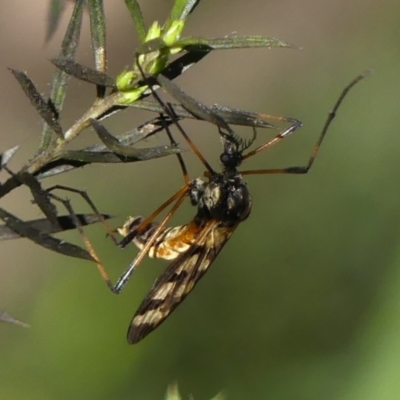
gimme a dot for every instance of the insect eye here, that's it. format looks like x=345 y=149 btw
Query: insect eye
x=225 y=158
x=230 y=160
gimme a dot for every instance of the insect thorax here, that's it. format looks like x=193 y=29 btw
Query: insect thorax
x=223 y=198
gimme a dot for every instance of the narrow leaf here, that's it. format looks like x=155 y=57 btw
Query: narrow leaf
x=231 y=116
x=192 y=105
x=40 y=196
x=60 y=246
x=127 y=151
x=99 y=153
x=182 y=8
x=235 y=116
x=64 y=223
x=59 y=82
x=98 y=33
x=42 y=107
x=53 y=18
x=231 y=42
x=137 y=17
x=82 y=72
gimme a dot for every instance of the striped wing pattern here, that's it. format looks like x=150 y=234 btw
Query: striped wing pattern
x=181 y=275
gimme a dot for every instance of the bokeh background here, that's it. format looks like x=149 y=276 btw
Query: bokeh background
x=303 y=302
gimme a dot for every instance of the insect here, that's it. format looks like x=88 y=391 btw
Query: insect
x=222 y=200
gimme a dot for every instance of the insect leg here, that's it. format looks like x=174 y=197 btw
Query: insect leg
x=178 y=197
x=296 y=124
x=128 y=238
x=85 y=238
x=91 y=204
x=145 y=249
x=178 y=155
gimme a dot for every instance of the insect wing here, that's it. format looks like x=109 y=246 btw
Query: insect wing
x=178 y=280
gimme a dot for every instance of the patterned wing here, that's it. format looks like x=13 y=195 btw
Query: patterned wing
x=178 y=280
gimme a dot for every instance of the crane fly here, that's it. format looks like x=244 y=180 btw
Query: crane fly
x=222 y=201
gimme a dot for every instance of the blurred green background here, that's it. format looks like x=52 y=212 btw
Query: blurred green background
x=303 y=302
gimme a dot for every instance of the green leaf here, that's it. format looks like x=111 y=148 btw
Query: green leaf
x=98 y=34
x=137 y=17
x=232 y=42
x=182 y=8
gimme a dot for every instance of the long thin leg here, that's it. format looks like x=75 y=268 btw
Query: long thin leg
x=77 y=223
x=178 y=197
x=128 y=238
x=280 y=136
x=143 y=252
x=303 y=169
x=89 y=201
x=85 y=238
x=178 y=155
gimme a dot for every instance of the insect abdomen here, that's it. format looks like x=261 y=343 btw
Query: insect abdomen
x=170 y=242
